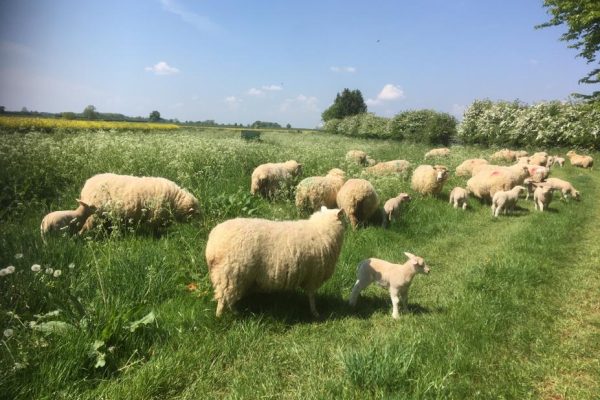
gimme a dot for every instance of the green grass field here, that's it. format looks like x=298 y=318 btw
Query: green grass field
x=510 y=310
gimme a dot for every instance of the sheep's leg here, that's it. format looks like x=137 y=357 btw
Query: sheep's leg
x=493 y=210
x=311 y=301
x=455 y=203
x=358 y=287
x=395 y=301
x=89 y=223
x=464 y=205
x=353 y=221
x=404 y=298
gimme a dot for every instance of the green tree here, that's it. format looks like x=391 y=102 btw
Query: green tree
x=582 y=18
x=288 y=126
x=67 y=115
x=154 y=116
x=90 y=112
x=346 y=104
x=2 y=109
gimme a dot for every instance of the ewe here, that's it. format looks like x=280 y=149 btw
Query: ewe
x=268 y=178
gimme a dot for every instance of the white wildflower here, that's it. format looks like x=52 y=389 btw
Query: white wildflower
x=3 y=272
x=49 y=271
x=8 y=332
x=57 y=273
x=9 y=270
x=19 y=255
x=36 y=267
x=72 y=265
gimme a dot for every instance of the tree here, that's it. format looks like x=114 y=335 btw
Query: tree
x=346 y=104
x=582 y=18
x=288 y=126
x=2 y=109
x=67 y=115
x=154 y=116
x=90 y=112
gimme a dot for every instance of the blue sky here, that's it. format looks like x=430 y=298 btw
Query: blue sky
x=281 y=61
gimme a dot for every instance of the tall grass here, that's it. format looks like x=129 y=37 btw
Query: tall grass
x=500 y=315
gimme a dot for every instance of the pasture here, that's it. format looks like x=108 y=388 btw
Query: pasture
x=509 y=310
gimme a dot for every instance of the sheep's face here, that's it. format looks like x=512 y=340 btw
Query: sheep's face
x=404 y=197
x=418 y=263
x=576 y=195
x=441 y=173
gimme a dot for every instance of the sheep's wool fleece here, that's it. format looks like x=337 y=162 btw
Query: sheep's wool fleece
x=140 y=198
x=424 y=180
x=246 y=253
x=358 y=199
x=317 y=191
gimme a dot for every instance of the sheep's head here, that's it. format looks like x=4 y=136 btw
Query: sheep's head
x=188 y=206
x=571 y=153
x=329 y=213
x=404 y=197
x=519 y=189
x=418 y=263
x=336 y=172
x=85 y=209
x=294 y=167
x=576 y=195
x=441 y=173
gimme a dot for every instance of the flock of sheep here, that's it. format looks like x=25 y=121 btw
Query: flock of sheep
x=252 y=254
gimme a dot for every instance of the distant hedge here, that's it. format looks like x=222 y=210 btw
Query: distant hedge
x=422 y=126
x=514 y=123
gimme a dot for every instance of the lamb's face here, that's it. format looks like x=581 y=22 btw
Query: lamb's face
x=418 y=263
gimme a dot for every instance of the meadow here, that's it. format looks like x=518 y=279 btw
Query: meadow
x=510 y=309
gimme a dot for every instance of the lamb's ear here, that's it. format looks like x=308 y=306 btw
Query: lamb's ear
x=82 y=203
x=411 y=256
x=340 y=213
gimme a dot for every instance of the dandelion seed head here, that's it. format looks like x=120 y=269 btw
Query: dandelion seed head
x=36 y=267
x=8 y=332
x=72 y=265
x=19 y=255
x=10 y=269
x=49 y=271
x=57 y=273
x=3 y=272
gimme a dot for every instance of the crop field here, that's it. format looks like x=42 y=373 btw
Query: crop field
x=51 y=124
x=510 y=309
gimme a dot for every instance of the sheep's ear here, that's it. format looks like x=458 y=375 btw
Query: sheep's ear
x=409 y=255
x=82 y=203
x=340 y=213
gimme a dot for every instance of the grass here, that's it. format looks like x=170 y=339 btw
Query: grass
x=510 y=309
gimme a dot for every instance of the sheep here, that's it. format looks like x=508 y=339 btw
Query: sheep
x=565 y=187
x=490 y=180
x=358 y=157
x=550 y=161
x=539 y=158
x=504 y=155
x=392 y=206
x=268 y=178
x=245 y=254
x=151 y=200
x=458 y=197
x=429 y=180
x=528 y=183
x=542 y=196
x=70 y=221
x=523 y=160
x=317 y=191
x=394 y=277
x=466 y=167
x=559 y=160
x=538 y=173
x=579 y=160
x=506 y=200
x=441 y=152
x=389 y=167
x=370 y=161
x=359 y=200
x=520 y=154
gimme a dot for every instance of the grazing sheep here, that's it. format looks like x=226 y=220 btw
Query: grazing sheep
x=538 y=173
x=394 y=277
x=530 y=186
x=467 y=166
x=428 y=180
x=523 y=160
x=70 y=221
x=566 y=188
x=520 y=154
x=389 y=167
x=359 y=200
x=579 y=160
x=357 y=156
x=490 y=180
x=504 y=155
x=559 y=160
x=392 y=206
x=245 y=254
x=268 y=178
x=506 y=200
x=441 y=152
x=317 y=191
x=150 y=200
x=458 y=197
x=370 y=161
x=539 y=158
x=542 y=196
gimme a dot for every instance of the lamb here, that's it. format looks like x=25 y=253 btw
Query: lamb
x=505 y=200
x=458 y=197
x=317 y=191
x=151 y=200
x=550 y=161
x=245 y=254
x=466 y=167
x=579 y=160
x=565 y=187
x=392 y=206
x=542 y=196
x=559 y=160
x=389 y=167
x=488 y=181
x=538 y=173
x=528 y=183
x=429 y=180
x=359 y=200
x=357 y=156
x=268 y=178
x=539 y=158
x=441 y=152
x=394 y=277
x=70 y=221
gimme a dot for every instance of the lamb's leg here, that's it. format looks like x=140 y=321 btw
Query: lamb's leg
x=311 y=301
x=455 y=203
x=89 y=224
x=358 y=287
x=464 y=205
x=395 y=301
x=404 y=298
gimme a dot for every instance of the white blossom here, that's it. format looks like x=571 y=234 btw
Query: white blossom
x=57 y=273
x=8 y=332
x=36 y=267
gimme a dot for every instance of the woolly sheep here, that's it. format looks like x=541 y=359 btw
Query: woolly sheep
x=466 y=167
x=550 y=161
x=566 y=188
x=389 y=167
x=458 y=197
x=559 y=160
x=488 y=181
x=245 y=254
x=523 y=160
x=357 y=156
x=504 y=155
x=538 y=173
x=394 y=277
x=539 y=158
x=530 y=186
x=441 y=152
x=429 y=180
x=268 y=178
x=392 y=206
x=506 y=200
x=70 y=221
x=370 y=161
x=542 y=196
x=359 y=200
x=317 y=191
x=151 y=200
x=520 y=153
x=581 y=161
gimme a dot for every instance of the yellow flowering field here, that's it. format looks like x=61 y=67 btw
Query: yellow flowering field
x=48 y=124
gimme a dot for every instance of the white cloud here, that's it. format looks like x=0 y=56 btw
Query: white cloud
x=389 y=92
x=350 y=70
x=272 y=88
x=300 y=102
x=200 y=22
x=255 y=92
x=232 y=100
x=162 y=68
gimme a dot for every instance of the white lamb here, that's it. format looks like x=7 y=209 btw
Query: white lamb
x=538 y=173
x=270 y=177
x=459 y=197
x=566 y=188
x=392 y=206
x=530 y=186
x=559 y=160
x=317 y=191
x=246 y=254
x=70 y=221
x=542 y=196
x=359 y=200
x=394 y=277
x=150 y=200
x=506 y=200
x=429 y=180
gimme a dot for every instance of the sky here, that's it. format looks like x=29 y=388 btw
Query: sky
x=240 y=61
